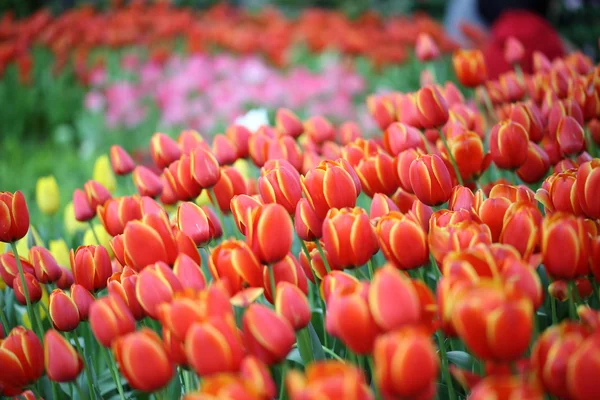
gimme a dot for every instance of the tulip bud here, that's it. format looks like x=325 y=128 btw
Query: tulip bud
x=425 y=48
x=285 y=148
x=164 y=150
x=14 y=216
x=511 y=386
x=570 y=136
x=286 y=270
x=469 y=66
x=156 y=284
x=292 y=303
x=267 y=223
x=109 y=319
x=174 y=348
x=268 y=336
x=432 y=107
x=63 y=311
x=189 y=273
x=83 y=210
x=230 y=184
x=121 y=161
x=34 y=289
x=467 y=149
x=214 y=346
x=205 y=168
x=288 y=123
x=306 y=222
x=148 y=241
x=258 y=145
x=521 y=228
x=123 y=284
x=91 y=267
x=513 y=50
x=536 y=165
x=399 y=137
x=587 y=184
x=194 y=222
x=234 y=263
x=508 y=144
x=280 y=183
x=224 y=150
x=406 y=364
x=46 y=268
x=396 y=228
x=559 y=193
x=96 y=194
x=239 y=134
x=21 y=357
x=373 y=179
x=62 y=362
x=318 y=129
x=430 y=179
x=349 y=238
x=47 y=195
x=147 y=182
x=381 y=206
x=83 y=299
x=382 y=110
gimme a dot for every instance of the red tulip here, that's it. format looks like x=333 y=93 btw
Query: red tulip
x=63 y=311
x=280 y=183
x=109 y=319
x=205 y=168
x=430 y=179
x=224 y=149
x=570 y=136
x=83 y=211
x=381 y=206
x=155 y=285
x=21 y=357
x=318 y=129
x=381 y=109
x=62 y=362
x=233 y=262
x=194 y=222
x=307 y=224
x=268 y=336
x=164 y=150
x=14 y=216
x=588 y=183
x=120 y=160
x=91 y=267
x=267 y=223
x=123 y=284
x=83 y=299
x=513 y=50
x=536 y=166
x=230 y=184
x=396 y=228
x=288 y=123
x=521 y=228
x=189 y=273
x=147 y=182
x=148 y=241
x=425 y=48
x=285 y=148
x=34 y=289
x=239 y=135
x=96 y=194
x=506 y=387
x=432 y=109
x=286 y=270
x=469 y=66
x=508 y=144
x=292 y=303
x=373 y=179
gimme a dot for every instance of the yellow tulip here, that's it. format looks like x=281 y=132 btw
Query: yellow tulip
x=103 y=173
x=2 y=247
x=47 y=195
x=203 y=199
x=243 y=167
x=103 y=237
x=71 y=224
x=60 y=251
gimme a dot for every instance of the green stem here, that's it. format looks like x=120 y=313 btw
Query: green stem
x=553 y=306
x=4 y=320
x=86 y=367
x=371 y=268
x=30 y=312
x=373 y=378
x=322 y=253
x=445 y=370
x=282 y=381
x=488 y=102
x=332 y=354
x=94 y=231
x=305 y=346
x=78 y=389
x=307 y=253
x=572 y=293
x=114 y=372
x=213 y=200
x=55 y=395
x=452 y=160
x=272 y=282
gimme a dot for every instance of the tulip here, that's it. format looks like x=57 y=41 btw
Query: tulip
x=156 y=284
x=402 y=165
x=399 y=137
x=109 y=319
x=382 y=110
x=426 y=48
x=189 y=140
x=318 y=129
x=229 y=185
x=461 y=235
x=286 y=270
x=430 y=179
x=584 y=362
x=372 y=177
x=189 y=273
x=560 y=289
x=135 y=352
x=60 y=251
x=469 y=66
x=360 y=148
x=393 y=230
x=267 y=223
x=258 y=145
x=484 y=313
x=285 y=148
x=288 y=123
x=307 y=224
x=570 y=136
x=103 y=173
x=121 y=161
x=349 y=238
x=506 y=387
x=224 y=149
x=333 y=184
x=292 y=303
x=381 y=206
x=123 y=284
x=214 y=346
x=164 y=150
x=47 y=195
x=91 y=267
x=280 y=183
x=513 y=50
x=179 y=179
x=21 y=357
x=242 y=207
x=14 y=216
x=432 y=109
x=267 y=335
x=147 y=241
x=329 y=380
x=528 y=116
x=565 y=246
x=96 y=194
x=83 y=299
x=561 y=109
x=255 y=371
x=32 y=292
x=205 y=168
x=521 y=228
x=508 y=144
x=174 y=348
x=413 y=375
x=239 y=134
x=82 y=209
x=467 y=150
x=46 y=268
x=147 y=182
x=63 y=311
x=559 y=193
x=62 y=362
x=234 y=262
x=536 y=166
x=588 y=183
x=194 y=222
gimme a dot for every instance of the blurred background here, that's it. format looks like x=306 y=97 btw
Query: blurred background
x=77 y=76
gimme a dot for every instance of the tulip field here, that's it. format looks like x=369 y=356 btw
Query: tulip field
x=230 y=205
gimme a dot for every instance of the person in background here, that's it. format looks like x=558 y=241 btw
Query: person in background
x=521 y=19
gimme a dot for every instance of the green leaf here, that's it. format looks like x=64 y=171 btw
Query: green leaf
x=461 y=359
x=295 y=356
x=318 y=352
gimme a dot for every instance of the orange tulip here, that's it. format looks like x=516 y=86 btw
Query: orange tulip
x=34 y=289
x=155 y=285
x=508 y=144
x=194 y=222
x=267 y=223
x=205 y=168
x=230 y=184
x=14 y=216
x=536 y=166
x=528 y=116
x=224 y=149
x=395 y=228
x=21 y=357
x=83 y=211
x=239 y=135
x=147 y=182
x=109 y=319
x=174 y=348
x=381 y=206
x=214 y=346
x=179 y=180
x=96 y=194
x=189 y=273
x=373 y=179
x=91 y=267
x=63 y=311
x=267 y=335
x=381 y=109
x=587 y=183
x=506 y=387
x=349 y=238
x=286 y=270
x=307 y=224
x=164 y=150
x=258 y=145
x=456 y=236
x=360 y=148
x=116 y=213
x=234 y=263
x=425 y=48
x=293 y=305
x=137 y=351
x=62 y=362
x=285 y=148
x=148 y=241
x=432 y=109
x=280 y=183
x=399 y=137
x=521 y=228
x=570 y=136
x=256 y=372
x=406 y=364
x=83 y=299
x=430 y=179
x=242 y=206
x=121 y=161
x=469 y=66
x=318 y=129
x=123 y=284
x=559 y=193
x=288 y=123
